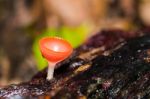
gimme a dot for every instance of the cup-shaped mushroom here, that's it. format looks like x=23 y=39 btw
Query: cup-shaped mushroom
x=54 y=49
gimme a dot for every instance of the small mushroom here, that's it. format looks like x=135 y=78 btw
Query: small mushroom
x=54 y=50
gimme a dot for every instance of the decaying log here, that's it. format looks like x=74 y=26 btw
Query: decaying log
x=106 y=66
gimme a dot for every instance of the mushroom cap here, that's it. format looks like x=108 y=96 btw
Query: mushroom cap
x=55 y=49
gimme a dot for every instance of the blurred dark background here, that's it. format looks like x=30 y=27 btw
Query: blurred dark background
x=22 y=21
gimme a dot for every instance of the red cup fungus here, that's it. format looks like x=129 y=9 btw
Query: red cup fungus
x=54 y=50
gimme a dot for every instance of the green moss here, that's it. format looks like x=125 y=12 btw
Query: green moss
x=75 y=35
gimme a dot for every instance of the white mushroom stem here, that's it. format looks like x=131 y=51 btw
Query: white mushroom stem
x=50 y=72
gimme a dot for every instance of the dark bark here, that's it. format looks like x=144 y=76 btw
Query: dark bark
x=124 y=72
